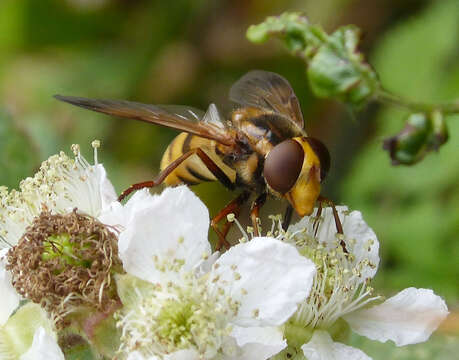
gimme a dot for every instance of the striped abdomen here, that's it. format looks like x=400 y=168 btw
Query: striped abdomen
x=193 y=171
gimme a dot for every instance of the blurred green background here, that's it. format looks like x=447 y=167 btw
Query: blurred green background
x=190 y=52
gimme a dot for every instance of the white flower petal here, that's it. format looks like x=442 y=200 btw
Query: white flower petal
x=106 y=189
x=205 y=265
x=188 y=354
x=82 y=186
x=409 y=317
x=114 y=215
x=135 y=356
x=258 y=342
x=44 y=347
x=360 y=239
x=117 y=214
x=138 y=356
x=268 y=277
x=120 y=216
x=171 y=226
x=322 y=347
x=366 y=245
x=9 y=299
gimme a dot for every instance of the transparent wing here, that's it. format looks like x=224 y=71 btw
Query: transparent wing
x=270 y=91
x=184 y=118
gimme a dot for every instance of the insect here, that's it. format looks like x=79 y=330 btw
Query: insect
x=261 y=148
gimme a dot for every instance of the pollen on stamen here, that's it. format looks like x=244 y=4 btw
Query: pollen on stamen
x=95 y=145
x=338 y=286
x=61 y=183
x=186 y=314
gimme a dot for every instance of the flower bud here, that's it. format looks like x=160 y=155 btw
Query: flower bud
x=421 y=134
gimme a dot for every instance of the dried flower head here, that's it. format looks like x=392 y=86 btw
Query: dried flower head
x=65 y=261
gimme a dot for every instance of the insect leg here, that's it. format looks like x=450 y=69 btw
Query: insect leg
x=316 y=224
x=214 y=169
x=159 y=179
x=287 y=217
x=233 y=207
x=339 y=226
x=208 y=162
x=255 y=210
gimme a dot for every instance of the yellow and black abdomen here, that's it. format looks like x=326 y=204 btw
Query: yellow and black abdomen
x=193 y=171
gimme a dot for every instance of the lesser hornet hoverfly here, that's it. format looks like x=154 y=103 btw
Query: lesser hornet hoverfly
x=262 y=148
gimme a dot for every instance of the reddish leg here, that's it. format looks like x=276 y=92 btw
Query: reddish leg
x=210 y=164
x=255 y=211
x=232 y=207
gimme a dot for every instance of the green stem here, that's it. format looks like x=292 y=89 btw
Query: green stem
x=386 y=97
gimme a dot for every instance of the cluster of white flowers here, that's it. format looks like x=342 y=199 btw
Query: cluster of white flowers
x=288 y=295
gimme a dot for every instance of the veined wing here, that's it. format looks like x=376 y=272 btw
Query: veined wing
x=184 y=118
x=272 y=92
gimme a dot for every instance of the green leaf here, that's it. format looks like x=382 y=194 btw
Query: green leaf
x=338 y=70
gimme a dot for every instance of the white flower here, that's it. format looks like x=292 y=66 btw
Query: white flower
x=44 y=205
x=174 y=309
x=60 y=185
x=341 y=294
x=28 y=334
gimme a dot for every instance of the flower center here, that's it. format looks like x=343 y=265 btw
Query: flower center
x=60 y=247
x=164 y=319
x=65 y=261
x=339 y=286
x=176 y=320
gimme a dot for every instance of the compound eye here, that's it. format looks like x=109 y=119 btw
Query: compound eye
x=322 y=153
x=283 y=165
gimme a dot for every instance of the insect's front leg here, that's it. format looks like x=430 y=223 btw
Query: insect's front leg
x=287 y=217
x=255 y=211
x=234 y=207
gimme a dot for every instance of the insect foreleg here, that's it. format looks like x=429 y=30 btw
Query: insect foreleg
x=233 y=207
x=255 y=211
x=287 y=217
